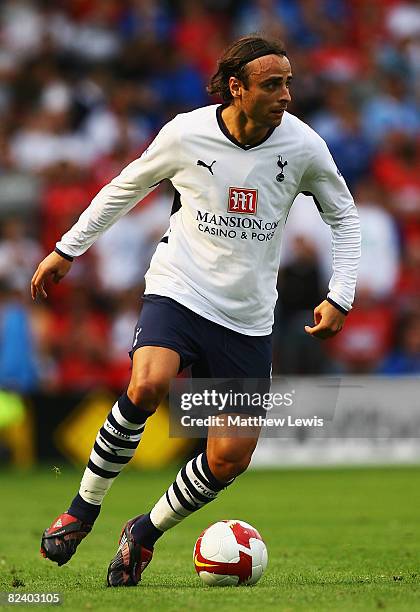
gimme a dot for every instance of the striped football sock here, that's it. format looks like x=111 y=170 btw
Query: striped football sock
x=115 y=445
x=194 y=487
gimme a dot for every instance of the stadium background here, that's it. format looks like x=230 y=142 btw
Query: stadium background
x=84 y=86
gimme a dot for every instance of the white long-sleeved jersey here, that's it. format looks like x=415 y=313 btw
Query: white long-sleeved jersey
x=220 y=255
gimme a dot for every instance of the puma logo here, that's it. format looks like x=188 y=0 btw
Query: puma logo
x=138 y=331
x=209 y=168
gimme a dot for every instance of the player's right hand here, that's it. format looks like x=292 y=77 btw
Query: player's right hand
x=53 y=266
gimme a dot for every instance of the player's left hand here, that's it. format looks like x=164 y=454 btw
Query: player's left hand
x=328 y=321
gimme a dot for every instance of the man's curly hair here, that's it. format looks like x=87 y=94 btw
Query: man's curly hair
x=235 y=58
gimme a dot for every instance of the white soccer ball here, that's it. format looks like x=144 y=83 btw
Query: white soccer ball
x=230 y=553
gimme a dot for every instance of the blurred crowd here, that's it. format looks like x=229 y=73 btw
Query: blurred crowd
x=85 y=85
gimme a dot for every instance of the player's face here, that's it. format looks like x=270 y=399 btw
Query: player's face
x=267 y=95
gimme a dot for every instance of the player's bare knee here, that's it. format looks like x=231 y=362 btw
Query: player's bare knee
x=225 y=469
x=146 y=394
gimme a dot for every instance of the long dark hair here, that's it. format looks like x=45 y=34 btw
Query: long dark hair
x=235 y=58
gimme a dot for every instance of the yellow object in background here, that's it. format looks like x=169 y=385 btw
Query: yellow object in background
x=76 y=434
x=16 y=429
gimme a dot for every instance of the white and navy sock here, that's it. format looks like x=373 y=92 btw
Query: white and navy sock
x=115 y=445
x=194 y=487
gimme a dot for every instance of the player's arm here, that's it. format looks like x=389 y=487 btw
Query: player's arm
x=54 y=266
x=324 y=182
x=328 y=321
x=113 y=201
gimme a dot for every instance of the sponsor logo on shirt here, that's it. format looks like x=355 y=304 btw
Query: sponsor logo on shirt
x=243 y=200
x=241 y=226
x=209 y=167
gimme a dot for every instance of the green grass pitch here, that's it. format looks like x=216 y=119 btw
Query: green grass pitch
x=338 y=539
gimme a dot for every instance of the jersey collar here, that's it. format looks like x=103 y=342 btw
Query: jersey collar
x=229 y=136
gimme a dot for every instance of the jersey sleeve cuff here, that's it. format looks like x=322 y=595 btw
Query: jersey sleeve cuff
x=64 y=255
x=340 y=308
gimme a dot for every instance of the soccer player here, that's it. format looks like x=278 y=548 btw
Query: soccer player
x=211 y=286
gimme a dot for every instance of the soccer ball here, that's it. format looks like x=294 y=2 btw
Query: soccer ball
x=230 y=553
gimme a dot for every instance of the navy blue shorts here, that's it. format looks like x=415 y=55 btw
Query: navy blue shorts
x=212 y=351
